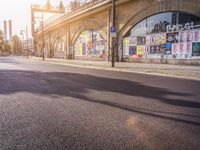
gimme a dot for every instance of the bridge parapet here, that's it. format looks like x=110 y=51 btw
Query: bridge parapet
x=70 y=9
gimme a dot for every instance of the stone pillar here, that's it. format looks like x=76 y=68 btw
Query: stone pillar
x=108 y=35
x=69 y=52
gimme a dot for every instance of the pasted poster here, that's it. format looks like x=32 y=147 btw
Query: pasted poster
x=126 y=46
x=182 y=36
x=140 y=49
x=196 y=36
x=80 y=49
x=175 y=48
x=132 y=41
x=172 y=37
x=141 y=40
x=162 y=48
x=163 y=38
x=148 y=40
x=132 y=50
x=182 y=48
x=155 y=49
x=160 y=38
x=83 y=49
x=153 y=39
x=189 y=36
x=168 y=49
x=196 y=49
x=188 y=48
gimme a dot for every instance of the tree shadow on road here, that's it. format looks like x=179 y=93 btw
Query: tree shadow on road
x=78 y=85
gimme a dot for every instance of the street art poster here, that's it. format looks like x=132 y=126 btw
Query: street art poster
x=132 y=50
x=175 y=49
x=189 y=36
x=196 y=49
x=172 y=37
x=188 y=48
x=148 y=40
x=153 y=39
x=132 y=41
x=168 y=49
x=141 y=40
x=162 y=48
x=140 y=49
x=182 y=48
x=84 y=52
x=126 y=46
x=182 y=36
x=196 y=36
x=154 y=49
x=80 y=49
x=160 y=38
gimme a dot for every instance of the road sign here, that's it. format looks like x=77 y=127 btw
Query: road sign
x=113 y=32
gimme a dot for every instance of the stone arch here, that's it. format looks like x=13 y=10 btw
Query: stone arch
x=55 y=40
x=89 y=24
x=159 y=7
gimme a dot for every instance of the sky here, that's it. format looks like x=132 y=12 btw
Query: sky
x=19 y=11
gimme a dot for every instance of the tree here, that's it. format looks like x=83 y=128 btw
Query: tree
x=16 y=45
x=4 y=45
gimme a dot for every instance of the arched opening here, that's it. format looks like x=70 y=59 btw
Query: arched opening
x=59 y=48
x=90 y=45
x=169 y=35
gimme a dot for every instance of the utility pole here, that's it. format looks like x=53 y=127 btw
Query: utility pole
x=113 y=38
x=27 y=42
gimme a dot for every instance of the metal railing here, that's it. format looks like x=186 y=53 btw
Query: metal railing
x=72 y=7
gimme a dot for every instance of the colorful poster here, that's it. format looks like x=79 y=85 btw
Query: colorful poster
x=196 y=49
x=172 y=37
x=126 y=46
x=141 y=40
x=157 y=39
x=160 y=38
x=189 y=36
x=80 y=49
x=132 y=50
x=182 y=36
x=189 y=48
x=196 y=36
x=154 y=49
x=182 y=48
x=175 y=48
x=148 y=40
x=163 y=38
x=153 y=39
x=162 y=48
x=168 y=50
x=132 y=41
x=140 y=49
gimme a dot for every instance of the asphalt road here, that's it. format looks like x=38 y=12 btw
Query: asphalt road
x=46 y=106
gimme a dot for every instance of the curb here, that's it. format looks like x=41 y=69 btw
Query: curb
x=116 y=69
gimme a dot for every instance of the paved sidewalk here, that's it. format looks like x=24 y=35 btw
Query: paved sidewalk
x=178 y=71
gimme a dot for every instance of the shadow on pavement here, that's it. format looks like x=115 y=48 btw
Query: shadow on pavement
x=78 y=85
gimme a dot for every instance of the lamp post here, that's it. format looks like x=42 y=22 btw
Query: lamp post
x=26 y=31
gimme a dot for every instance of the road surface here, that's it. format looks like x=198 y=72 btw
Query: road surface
x=47 y=106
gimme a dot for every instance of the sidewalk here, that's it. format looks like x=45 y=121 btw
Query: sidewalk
x=177 y=71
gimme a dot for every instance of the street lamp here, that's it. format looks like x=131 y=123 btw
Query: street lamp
x=26 y=31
